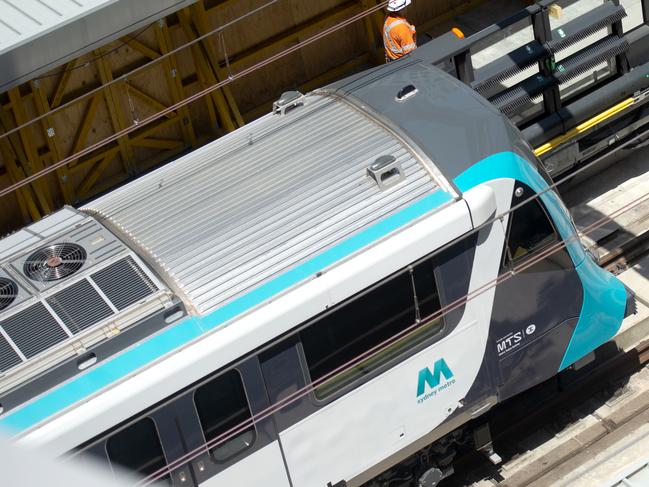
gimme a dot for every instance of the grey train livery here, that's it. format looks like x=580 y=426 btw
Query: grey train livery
x=287 y=306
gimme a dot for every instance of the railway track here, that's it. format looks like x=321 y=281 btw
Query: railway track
x=553 y=411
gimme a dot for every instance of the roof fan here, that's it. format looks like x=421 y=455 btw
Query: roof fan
x=8 y=292
x=54 y=262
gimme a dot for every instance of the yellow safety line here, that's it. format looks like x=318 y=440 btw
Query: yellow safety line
x=581 y=128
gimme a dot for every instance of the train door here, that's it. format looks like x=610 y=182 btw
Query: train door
x=367 y=415
x=225 y=446
x=536 y=310
x=203 y=437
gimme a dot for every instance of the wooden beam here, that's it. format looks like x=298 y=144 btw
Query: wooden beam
x=205 y=73
x=93 y=174
x=92 y=158
x=100 y=154
x=59 y=91
x=149 y=100
x=141 y=48
x=150 y=130
x=22 y=195
x=111 y=96
x=172 y=76
x=31 y=164
x=84 y=128
x=49 y=134
x=165 y=144
x=202 y=25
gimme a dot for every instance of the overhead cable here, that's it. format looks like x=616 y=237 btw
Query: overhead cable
x=151 y=118
x=144 y=67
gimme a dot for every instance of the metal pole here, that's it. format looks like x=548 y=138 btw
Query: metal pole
x=543 y=34
x=621 y=61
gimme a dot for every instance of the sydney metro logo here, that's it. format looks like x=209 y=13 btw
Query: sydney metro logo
x=432 y=379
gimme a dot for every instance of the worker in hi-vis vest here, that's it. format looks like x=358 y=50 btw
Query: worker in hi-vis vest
x=399 y=37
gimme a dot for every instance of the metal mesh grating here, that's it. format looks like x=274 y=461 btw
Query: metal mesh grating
x=54 y=262
x=8 y=358
x=33 y=330
x=124 y=283
x=8 y=292
x=79 y=306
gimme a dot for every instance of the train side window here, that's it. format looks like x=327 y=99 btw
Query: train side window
x=365 y=322
x=222 y=405
x=530 y=230
x=137 y=448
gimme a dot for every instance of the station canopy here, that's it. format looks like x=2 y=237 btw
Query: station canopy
x=39 y=35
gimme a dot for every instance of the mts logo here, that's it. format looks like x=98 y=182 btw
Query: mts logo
x=433 y=378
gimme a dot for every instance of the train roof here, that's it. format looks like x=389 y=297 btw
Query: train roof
x=241 y=211
x=254 y=204
x=452 y=124
x=241 y=220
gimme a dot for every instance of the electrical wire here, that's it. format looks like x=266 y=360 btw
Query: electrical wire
x=130 y=74
x=377 y=349
x=185 y=101
x=545 y=253
x=89 y=62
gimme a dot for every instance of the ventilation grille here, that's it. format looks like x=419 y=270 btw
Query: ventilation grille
x=33 y=330
x=8 y=357
x=83 y=304
x=124 y=283
x=54 y=262
x=8 y=292
x=79 y=306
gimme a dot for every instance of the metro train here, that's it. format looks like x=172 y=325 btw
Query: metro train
x=285 y=305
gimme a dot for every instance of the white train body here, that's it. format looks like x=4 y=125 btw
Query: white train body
x=234 y=367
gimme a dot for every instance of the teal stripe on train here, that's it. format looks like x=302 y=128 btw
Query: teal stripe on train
x=604 y=295
x=183 y=332
x=600 y=318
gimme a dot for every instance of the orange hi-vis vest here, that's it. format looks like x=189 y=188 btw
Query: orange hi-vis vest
x=399 y=37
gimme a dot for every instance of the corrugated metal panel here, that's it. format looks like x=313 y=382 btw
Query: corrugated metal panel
x=253 y=204
x=38 y=35
x=22 y=19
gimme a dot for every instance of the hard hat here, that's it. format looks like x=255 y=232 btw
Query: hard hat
x=396 y=5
